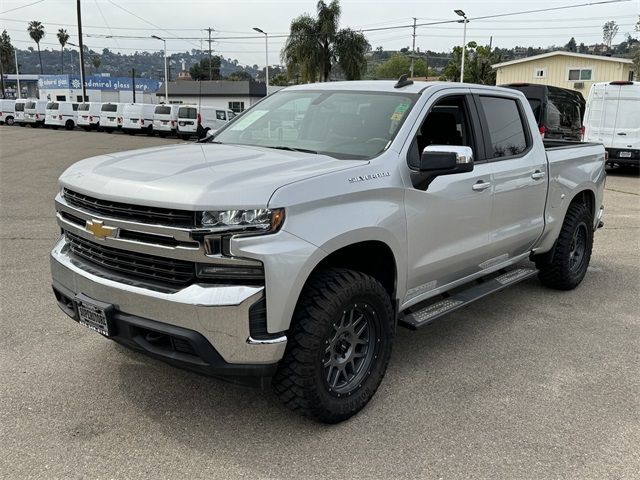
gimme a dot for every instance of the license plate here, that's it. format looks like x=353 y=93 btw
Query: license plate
x=624 y=154
x=93 y=314
x=164 y=122
x=111 y=118
x=133 y=120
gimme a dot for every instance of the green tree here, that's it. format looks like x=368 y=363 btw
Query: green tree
x=200 y=71
x=571 y=46
x=240 y=75
x=6 y=53
x=609 y=31
x=280 y=79
x=96 y=62
x=400 y=64
x=478 y=61
x=36 y=32
x=315 y=44
x=63 y=38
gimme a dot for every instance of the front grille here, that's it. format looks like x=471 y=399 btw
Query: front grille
x=133 y=264
x=134 y=213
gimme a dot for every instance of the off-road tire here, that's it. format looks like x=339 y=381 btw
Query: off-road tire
x=556 y=270
x=301 y=379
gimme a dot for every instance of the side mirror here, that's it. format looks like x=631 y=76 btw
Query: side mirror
x=439 y=160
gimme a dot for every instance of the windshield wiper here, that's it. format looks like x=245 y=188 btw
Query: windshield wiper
x=292 y=149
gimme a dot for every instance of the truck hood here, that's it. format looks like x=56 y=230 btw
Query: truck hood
x=197 y=176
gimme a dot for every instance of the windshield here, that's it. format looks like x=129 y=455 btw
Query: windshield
x=30 y=105
x=54 y=106
x=188 y=112
x=109 y=107
x=343 y=124
x=162 y=110
x=83 y=107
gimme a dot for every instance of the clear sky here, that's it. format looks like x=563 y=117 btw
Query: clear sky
x=189 y=18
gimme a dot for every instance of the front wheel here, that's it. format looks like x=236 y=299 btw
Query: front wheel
x=339 y=346
x=185 y=137
x=565 y=268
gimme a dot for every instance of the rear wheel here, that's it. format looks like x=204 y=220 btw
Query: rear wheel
x=150 y=131
x=9 y=121
x=565 y=268
x=69 y=125
x=339 y=346
x=185 y=137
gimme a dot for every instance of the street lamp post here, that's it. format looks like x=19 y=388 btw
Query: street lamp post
x=80 y=58
x=464 y=41
x=17 y=72
x=266 y=47
x=166 y=77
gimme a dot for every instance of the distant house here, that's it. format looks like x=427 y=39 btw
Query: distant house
x=236 y=96
x=576 y=71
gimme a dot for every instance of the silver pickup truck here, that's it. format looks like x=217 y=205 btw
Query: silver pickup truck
x=288 y=248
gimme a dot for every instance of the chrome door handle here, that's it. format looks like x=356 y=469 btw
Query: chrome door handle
x=537 y=175
x=480 y=186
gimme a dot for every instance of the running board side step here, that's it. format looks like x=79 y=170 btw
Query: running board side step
x=463 y=296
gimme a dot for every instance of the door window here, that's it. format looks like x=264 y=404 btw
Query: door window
x=220 y=115
x=505 y=127
x=446 y=123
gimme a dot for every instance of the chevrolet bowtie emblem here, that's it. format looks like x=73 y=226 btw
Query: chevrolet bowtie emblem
x=99 y=230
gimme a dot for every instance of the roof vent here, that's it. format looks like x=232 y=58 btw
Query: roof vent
x=403 y=81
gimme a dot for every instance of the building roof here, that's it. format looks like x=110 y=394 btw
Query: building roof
x=214 y=88
x=564 y=54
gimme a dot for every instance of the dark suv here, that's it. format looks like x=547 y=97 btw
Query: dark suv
x=558 y=111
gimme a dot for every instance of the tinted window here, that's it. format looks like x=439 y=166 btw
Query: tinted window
x=84 y=107
x=162 y=110
x=109 y=107
x=188 y=112
x=536 y=105
x=19 y=107
x=504 y=125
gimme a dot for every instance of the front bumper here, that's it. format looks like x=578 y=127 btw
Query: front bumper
x=213 y=318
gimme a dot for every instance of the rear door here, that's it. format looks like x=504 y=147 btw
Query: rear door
x=519 y=174
x=626 y=129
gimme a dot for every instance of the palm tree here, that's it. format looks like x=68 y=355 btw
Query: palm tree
x=36 y=32
x=315 y=44
x=63 y=38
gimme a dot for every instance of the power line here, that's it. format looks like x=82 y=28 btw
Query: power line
x=23 y=6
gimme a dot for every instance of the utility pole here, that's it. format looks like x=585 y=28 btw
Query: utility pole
x=210 y=65
x=17 y=71
x=133 y=83
x=413 y=47
x=84 y=89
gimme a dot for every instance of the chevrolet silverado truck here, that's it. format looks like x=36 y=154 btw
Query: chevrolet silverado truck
x=288 y=248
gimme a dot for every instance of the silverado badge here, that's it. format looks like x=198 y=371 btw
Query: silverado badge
x=99 y=230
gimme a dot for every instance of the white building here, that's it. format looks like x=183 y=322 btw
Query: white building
x=98 y=89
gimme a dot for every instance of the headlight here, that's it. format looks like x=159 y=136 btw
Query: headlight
x=259 y=220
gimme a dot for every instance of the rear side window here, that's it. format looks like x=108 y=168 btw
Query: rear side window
x=505 y=127
x=186 y=112
x=109 y=107
x=162 y=110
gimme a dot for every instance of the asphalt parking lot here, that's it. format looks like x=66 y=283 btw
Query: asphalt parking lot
x=528 y=383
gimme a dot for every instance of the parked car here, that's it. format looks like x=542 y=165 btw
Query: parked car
x=7 y=112
x=19 y=112
x=287 y=251
x=558 y=111
x=89 y=115
x=111 y=116
x=35 y=111
x=165 y=119
x=212 y=119
x=613 y=119
x=138 y=118
x=62 y=114
x=188 y=121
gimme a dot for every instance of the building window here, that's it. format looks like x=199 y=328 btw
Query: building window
x=61 y=98
x=539 y=73
x=580 y=74
x=236 y=107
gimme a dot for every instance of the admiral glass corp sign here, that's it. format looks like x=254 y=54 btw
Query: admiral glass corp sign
x=113 y=84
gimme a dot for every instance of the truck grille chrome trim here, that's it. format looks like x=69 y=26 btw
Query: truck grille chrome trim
x=125 y=211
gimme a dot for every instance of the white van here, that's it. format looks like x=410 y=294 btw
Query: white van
x=7 y=112
x=62 y=114
x=89 y=115
x=34 y=112
x=18 y=108
x=138 y=118
x=111 y=116
x=212 y=119
x=612 y=117
x=188 y=121
x=165 y=119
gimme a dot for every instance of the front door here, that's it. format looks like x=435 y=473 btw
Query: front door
x=448 y=224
